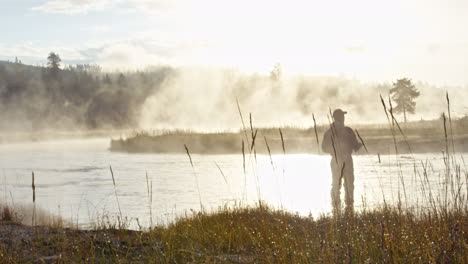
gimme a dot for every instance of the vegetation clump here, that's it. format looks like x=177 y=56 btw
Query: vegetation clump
x=255 y=235
x=422 y=136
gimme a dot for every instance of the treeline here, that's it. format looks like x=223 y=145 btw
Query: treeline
x=81 y=96
x=85 y=97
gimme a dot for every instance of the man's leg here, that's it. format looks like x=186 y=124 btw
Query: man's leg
x=349 y=184
x=337 y=177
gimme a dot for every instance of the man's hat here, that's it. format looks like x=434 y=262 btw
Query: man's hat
x=338 y=112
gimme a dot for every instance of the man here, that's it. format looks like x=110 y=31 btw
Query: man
x=340 y=141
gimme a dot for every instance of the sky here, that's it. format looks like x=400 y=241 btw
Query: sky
x=369 y=40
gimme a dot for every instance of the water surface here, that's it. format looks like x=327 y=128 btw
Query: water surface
x=73 y=179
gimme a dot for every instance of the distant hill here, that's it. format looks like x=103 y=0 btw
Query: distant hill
x=33 y=97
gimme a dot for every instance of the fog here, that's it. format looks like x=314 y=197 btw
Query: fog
x=83 y=97
x=207 y=99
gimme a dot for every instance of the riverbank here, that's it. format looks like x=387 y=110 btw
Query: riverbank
x=414 y=137
x=253 y=235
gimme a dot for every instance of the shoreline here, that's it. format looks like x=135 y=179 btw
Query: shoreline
x=231 y=143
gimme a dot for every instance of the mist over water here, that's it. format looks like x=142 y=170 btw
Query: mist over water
x=206 y=99
x=201 y=98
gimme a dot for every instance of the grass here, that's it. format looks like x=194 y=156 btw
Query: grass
x=270 y=236
x=263 y=235
x=19 y=214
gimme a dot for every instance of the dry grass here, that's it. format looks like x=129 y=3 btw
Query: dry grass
x=23 y=215
x=263 y=235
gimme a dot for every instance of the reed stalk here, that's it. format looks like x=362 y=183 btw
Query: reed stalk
x=447 y=154
x=362 y=141
x=252 y=147
x=116 y=196
x=450 y=121
x=243 y=158
x=269 y=152
x=149 y=187
x=222 y=173
x=196 y=176
x=282 y=141
x=254 y=135
x=392 y=124
x=316 y=134
x=33 y=185
x=242 y=120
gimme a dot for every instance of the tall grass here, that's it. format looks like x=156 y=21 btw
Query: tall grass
x=316 y=133
x=196 y=176
x=33 y=186
x=264 y=235
x=149 y=187
x=117 y=198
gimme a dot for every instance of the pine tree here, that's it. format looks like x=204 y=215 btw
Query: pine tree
x=403 y=94
x=53 y=62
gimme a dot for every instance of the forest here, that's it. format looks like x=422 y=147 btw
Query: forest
x=79 y=96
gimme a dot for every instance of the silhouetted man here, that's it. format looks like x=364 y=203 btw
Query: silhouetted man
x=340 y=141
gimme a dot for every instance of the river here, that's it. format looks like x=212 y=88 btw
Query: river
x=73 y=180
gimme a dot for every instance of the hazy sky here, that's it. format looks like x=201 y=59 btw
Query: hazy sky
x=363 y=39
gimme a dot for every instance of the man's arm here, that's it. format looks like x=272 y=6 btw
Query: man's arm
x=353 y=139
x=327 y=142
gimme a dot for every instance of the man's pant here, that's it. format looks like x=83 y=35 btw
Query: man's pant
x=342 y=170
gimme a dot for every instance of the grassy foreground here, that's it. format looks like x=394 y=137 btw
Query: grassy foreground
x=254 y=235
